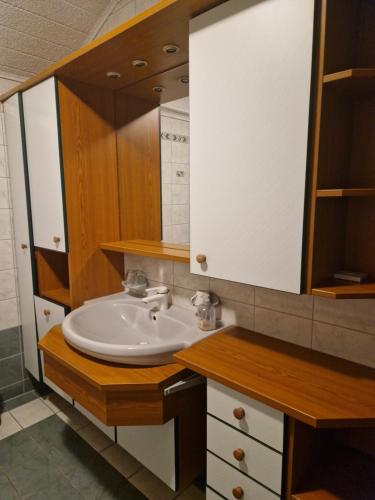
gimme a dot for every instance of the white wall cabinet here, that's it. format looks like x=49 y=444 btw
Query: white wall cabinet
x=250 y=78
x=23 y=240
x=45 y=169
x=47 y=315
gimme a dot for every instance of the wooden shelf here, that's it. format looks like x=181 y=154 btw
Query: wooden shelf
x=341 y=473
x=61 y=295
x=345 y=193
x=155 y=249
x=341 y=289
x=358 y=79
x=273 y=372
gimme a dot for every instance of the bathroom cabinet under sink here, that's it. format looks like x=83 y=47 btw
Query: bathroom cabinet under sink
x=137 y=400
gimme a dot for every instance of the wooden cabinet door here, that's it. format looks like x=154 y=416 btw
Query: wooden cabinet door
x=23 y=239
x=45 y=166
x=250 y=80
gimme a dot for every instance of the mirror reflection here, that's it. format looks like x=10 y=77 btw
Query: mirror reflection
x=175 y=175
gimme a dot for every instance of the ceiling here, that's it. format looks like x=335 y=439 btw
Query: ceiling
x=36 y=33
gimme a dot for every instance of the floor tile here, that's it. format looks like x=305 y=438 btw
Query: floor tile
x=55 y=402
x=85 y=469
x=61 y=489
x=31 y=413
x=192 y=493
x=20 y=400
x=73 y=418
x=95 y=437
x=7 y=490
x=121 y=460
x=151 y=486
x=8 y=425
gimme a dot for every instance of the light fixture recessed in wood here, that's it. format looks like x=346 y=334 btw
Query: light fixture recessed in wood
x=171 y=49
x=139 y=63
x=158 y=89
x=114 y=75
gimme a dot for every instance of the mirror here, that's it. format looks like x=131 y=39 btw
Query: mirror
x=175 y=174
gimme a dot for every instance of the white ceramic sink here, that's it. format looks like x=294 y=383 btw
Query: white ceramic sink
x=125 y=330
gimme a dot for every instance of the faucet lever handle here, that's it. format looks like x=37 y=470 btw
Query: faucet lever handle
x=157 y=290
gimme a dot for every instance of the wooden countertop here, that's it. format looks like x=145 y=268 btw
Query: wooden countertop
x=315 y=388
x=109 y=376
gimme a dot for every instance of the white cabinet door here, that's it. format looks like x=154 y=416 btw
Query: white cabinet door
x=23 y=242
x=107 y=429
x=250 y=77
x=45 y=169
x=49 y=314
x=154 y=447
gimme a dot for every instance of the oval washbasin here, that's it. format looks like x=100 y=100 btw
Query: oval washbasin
x=125 y=330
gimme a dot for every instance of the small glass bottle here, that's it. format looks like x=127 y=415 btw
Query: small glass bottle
x=206 y=317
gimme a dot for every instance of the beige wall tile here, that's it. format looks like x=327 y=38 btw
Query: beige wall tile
x=299 y=305
x=232 y=291
x=155 y=269
x=283 y=326
x=182 y=277
x=181 y=297
x=236 y=313
x=348 y=344
x=353 y=314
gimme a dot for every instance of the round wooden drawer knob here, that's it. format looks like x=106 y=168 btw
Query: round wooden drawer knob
x=46 y=312
x=56 y=239
x=200 y=258
x=239 y=454
x=239 y=413
x=23 y=246
x=237 y=492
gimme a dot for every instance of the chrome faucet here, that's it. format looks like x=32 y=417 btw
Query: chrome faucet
x=158 y=295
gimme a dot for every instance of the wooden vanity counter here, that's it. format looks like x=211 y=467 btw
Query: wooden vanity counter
x=116 y=394
x=317 y=389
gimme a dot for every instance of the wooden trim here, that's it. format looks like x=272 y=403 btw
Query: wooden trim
x=317 y=389
x=343 y=193
x=340 y=289
x=315 y=145
x=154 y=249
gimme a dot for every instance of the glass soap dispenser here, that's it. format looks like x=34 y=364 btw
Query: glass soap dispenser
x=206 y=310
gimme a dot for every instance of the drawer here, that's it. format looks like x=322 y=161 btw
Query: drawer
x=260 y=462
x=47 y=315
x=259 y=421
x=211 y=495
x=223 y=478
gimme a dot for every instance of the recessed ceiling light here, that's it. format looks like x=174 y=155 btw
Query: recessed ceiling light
x=171 y=49
x=113 y=74
x=184 y=79
x=139 y=63
x=158 y=89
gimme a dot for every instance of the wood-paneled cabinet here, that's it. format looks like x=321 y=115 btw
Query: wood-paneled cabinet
x=42 y=138
x=250 y=81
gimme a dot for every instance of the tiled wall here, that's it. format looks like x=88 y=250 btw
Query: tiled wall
x=342 y=328
x=175 y=172
x=12 y=376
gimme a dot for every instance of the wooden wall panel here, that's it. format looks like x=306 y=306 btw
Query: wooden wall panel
x=90 y=170
x=138 y=153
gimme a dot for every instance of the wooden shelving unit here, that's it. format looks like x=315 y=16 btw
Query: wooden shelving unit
x=345 y=193
x=342 y=205
x=360 y=80
x=53 y=275
x=146 y=248
x=60 y=295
